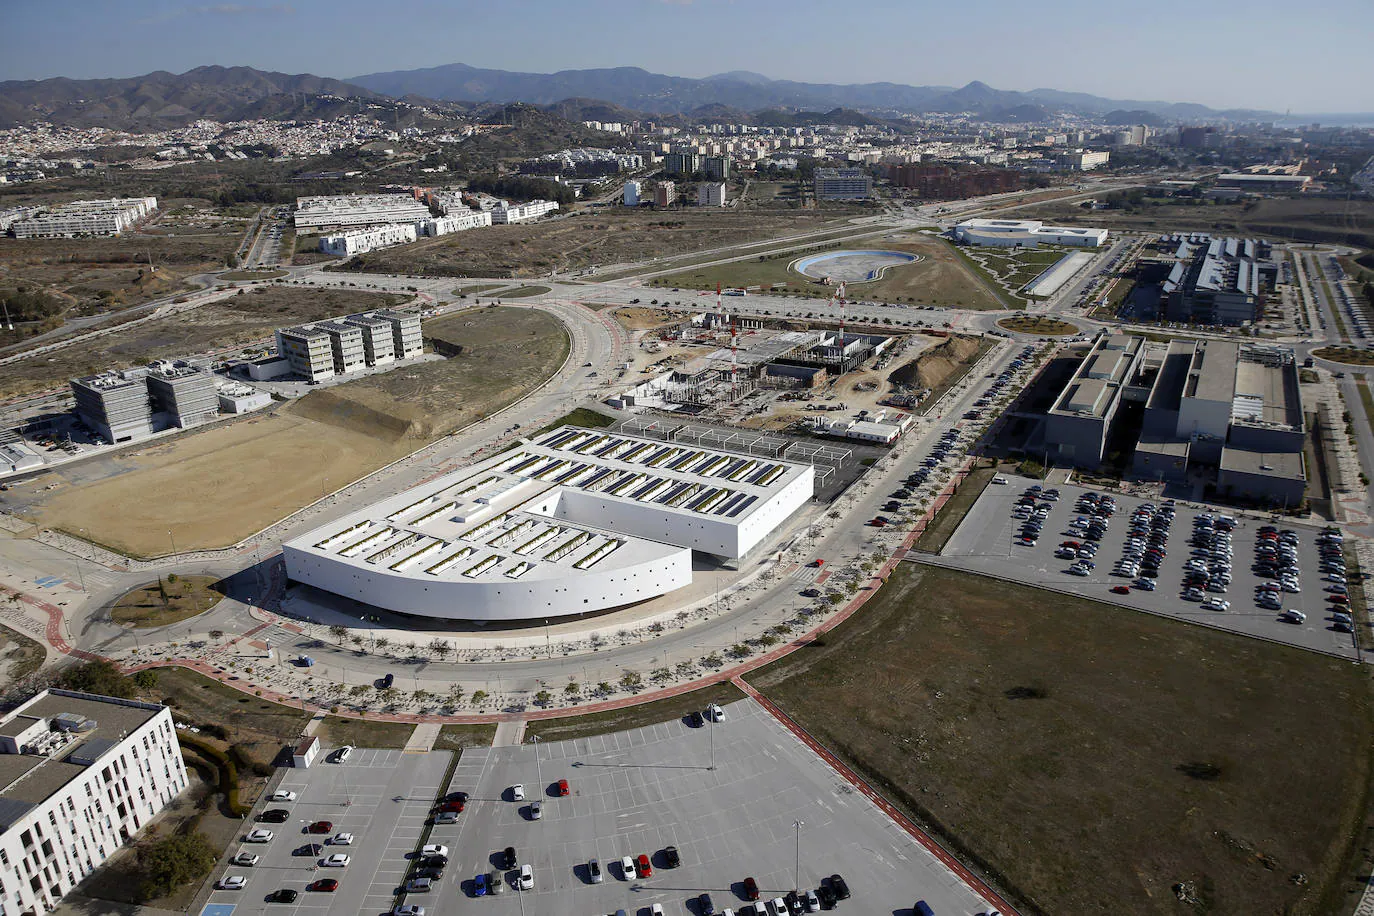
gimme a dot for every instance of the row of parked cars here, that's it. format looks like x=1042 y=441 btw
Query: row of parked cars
x=246 y=858
x=825 y=896
x=1146 y=545
x=1207 y=571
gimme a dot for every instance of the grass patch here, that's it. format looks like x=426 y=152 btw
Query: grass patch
x=337 y=731
x=248 y=721
x=476 y=288
x=602 y=723
x=1039 y=325
x=524 y=292
x=457 y=737
x=1352 y=356
x=1057 y=742
x=582 y=416
x=166 y=601
x=947 y=520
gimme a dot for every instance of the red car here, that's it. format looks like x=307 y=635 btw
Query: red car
x=454 y=805
x=877 y=523
x=816 y=563
x=751 y=889
x=1121 y=589
x=320 y=827
x=324 y=884
x=563 y=787
x=1338 y=599
x=642 y=867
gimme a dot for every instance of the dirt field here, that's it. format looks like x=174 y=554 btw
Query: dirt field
x=612 y=236
x=218 y=486
x=1094 y=759
x=1302 y=219
x=166 y=601
x=934 y=366
x=220 y=325
x=939 y=278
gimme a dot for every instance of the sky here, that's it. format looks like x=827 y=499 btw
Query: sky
x=1312 y=57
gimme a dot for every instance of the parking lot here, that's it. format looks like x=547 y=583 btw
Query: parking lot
x=987 y=541
x=382 y=797
x=630 y=792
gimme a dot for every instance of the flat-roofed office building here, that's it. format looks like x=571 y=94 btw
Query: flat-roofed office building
x=1078 y=424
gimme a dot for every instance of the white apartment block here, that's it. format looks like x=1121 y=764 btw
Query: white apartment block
x=631 y=197
x=522 y=213
x=314 y=214
x=711 y=194
x=86 y=217
x=357 y=241
x=339 y=346
x=456 y=221
x=1082 y=160
x=80 y=775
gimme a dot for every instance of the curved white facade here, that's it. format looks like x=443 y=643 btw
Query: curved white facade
x=575 y=521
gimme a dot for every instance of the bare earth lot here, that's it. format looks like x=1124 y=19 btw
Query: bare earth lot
x=939 y=278
x=612 y=236
x=219 y=325
x=218 y=486
x=1095 y=759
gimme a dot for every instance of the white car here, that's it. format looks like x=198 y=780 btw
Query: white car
x=337 y=860
x=1293 y=616
x=283 y=795
x=342 y=839
x=627 y=868
x=434 y=849
x=343 y=753
x=231 y=883
x=248 y=859
x=408 y=909
x=715 y=713
x=526 y=877
x=259 y=835
x=517 y=792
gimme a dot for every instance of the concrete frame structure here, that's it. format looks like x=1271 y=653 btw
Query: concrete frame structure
x=665 y=193
x=572 y=521
x=1027 y=233
x=80 y=775
x=85 y=217
x=842 y=184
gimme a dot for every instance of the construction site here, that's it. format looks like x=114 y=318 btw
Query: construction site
x=832 y=380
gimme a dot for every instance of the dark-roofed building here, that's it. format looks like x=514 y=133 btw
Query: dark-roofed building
x=80 y=775
x=1218 y=281
x=1078 y=424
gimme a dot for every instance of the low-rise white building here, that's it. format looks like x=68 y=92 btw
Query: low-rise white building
x=357 y=241
x=711 y=194
x=314 y=214
x=572 y=521
x=85 y=217
x=456 y=221
x=522 y=213
x=80 y=775
x=1027 y=233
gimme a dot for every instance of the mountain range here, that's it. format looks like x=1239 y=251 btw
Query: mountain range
x=640 y=90
x=163 y=99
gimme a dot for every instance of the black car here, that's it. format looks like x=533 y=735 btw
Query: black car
x=671 y=857
x=439 y=862
x=705 y=906
x=274 y=816
x=433 y=872
x=839 y=887
x=826 y=896
x=794 y=904
x=309 y=849
x=694 y=718
x=285 y=895
x=508 y=858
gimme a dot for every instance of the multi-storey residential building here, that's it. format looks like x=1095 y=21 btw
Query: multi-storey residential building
x=711 y=194
x=115 y=404
x=456 y=220
x=664 y=194
x=345 y=344
x=308 y=351
x=86 y=217
x=314 y=214
x=681 y=163
x=631 y=198
x=80 y=775
x=1082 y=160
x=717 y=168
x=522 y=213
x=357 y=241
x=843 y=184
x=338 y=346
x=406 y=340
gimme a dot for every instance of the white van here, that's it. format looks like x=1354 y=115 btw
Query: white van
x=999 y=479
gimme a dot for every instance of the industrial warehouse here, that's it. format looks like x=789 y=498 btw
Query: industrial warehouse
x=572 y=521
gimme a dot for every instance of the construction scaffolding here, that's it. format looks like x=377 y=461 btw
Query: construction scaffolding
x=825 y=460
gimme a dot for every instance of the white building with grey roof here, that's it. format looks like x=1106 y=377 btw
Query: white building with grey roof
x=80 y=776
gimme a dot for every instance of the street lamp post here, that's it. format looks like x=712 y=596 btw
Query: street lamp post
x=173 y=541
x=538 y=768
x=715 y=720
x=796 y=879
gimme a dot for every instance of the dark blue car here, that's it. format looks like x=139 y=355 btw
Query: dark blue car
x=479 y=886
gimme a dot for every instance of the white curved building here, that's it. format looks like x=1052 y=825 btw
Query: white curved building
x=1028 y=233
x=571 y=522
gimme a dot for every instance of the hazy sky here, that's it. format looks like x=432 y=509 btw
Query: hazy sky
x=1310 y=57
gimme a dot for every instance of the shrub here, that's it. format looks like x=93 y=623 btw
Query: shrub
x=169 y=863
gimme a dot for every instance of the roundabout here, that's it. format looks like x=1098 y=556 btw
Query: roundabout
x=851 y=266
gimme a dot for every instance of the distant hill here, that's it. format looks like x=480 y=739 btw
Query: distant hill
x=640 y=90
x=1130 y=118
x=164 y=99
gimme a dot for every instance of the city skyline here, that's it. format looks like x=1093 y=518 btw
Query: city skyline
x=1182 y=53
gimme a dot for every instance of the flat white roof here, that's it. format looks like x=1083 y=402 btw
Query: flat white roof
x=501 y=520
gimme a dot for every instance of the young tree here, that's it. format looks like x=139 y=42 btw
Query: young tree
x=479 y=697
x=542 y=698
x=604 y=688
x=455 y=694
x=339 y=632
x=572 y=689
x=660 y=674
x=440 y=648
x=631 y=680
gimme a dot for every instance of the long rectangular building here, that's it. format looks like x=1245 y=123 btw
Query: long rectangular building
x=314 y=214
x=86 y=217
x=1026 y=233
x=571 y=521
x=1078 y=424
x=80 y=776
